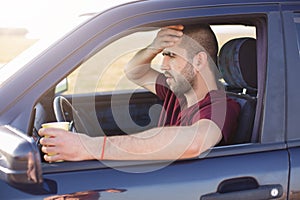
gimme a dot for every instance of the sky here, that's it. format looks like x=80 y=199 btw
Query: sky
x=39 y=17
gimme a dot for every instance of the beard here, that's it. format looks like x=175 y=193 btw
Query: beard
x=181 y=83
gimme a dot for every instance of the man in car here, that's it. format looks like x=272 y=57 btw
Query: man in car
x=196 y=113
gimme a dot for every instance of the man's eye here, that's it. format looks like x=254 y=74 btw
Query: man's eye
x=169 y=54
x=172 y=55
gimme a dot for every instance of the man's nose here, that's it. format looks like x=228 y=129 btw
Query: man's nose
x=165 y=64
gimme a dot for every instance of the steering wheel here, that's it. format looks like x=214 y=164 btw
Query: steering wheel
x=65 y=112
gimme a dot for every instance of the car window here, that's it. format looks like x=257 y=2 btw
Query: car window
x=103 y=72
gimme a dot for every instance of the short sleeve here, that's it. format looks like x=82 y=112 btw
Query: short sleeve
x=224 y=112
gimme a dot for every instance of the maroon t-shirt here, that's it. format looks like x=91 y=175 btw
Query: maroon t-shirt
x=216 y=106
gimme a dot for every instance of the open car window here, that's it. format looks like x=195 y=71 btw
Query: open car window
x=104 y=71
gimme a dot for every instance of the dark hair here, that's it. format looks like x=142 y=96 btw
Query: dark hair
x=203 y=36
x=200 y=37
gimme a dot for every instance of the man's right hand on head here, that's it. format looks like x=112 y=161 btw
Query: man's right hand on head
x=167 y=37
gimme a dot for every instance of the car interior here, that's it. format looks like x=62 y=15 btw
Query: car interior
x=237 y=64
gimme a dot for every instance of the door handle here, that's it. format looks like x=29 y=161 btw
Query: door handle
x=245 y=188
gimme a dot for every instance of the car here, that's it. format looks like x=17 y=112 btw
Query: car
x=81 y=76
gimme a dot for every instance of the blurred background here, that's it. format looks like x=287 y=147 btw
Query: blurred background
x=24 y=22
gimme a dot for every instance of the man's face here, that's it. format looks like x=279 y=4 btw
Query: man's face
x=178 y=70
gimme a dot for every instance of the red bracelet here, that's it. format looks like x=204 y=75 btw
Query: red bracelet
x=103 y=147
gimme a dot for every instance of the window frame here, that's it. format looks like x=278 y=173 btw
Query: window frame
x=264 y=20
x=292 y=51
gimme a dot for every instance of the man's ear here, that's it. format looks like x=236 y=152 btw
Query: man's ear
x=200 y=61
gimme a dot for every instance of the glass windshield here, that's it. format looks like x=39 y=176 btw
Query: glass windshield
x=22 y=59
x=64 y=26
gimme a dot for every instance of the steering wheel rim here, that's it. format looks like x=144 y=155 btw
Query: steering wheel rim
x=62 y=115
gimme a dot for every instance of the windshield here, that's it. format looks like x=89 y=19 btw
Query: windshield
x=22 y=59
x=59 y=28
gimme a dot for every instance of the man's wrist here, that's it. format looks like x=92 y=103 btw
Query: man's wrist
x=91 y=147
x=153 y=49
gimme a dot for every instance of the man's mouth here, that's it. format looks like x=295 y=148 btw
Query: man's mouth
x=169 y=77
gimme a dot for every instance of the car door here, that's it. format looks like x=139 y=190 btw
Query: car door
x=258 y=169
x=292 y=33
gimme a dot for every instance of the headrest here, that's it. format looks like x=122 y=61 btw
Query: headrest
x=237 y=63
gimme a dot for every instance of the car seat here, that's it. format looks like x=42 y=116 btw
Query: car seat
x=238 y=65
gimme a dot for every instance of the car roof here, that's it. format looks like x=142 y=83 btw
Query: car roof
x=177 y=4
x=223 y=2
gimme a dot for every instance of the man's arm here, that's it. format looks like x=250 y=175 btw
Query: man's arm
x=139 y=68
x=165 y=143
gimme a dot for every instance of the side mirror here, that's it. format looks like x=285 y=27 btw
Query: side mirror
x=20 y=163
x=61 y=86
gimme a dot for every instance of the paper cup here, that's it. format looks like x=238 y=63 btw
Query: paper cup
x=60 y=125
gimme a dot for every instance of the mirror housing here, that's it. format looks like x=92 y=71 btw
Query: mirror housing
x=20 y=163
x=61 y=86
